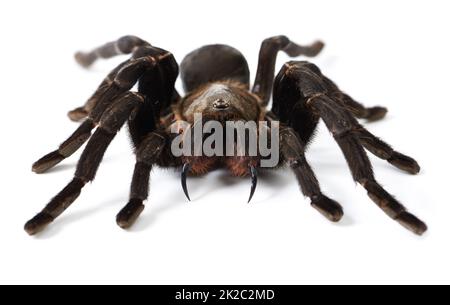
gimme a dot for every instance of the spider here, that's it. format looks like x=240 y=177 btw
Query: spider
x=216 y=79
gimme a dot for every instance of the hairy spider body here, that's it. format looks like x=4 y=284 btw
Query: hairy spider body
x=216 y=81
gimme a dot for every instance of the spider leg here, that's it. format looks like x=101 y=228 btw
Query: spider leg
x=124 y=45
x=371 y=114
x=302 y=95
x=267 y=59
x=66 y=149
x=109 y=124
x=147 y=155
x=371 y=142
x=139 y=193
x=80 y=113
x=292 y=150
x=361 y=112
x=384 y=151
x=124 y=80
x=338 y=122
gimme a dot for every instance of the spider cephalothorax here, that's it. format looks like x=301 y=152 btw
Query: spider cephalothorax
x=216 y=81
x=222 y=101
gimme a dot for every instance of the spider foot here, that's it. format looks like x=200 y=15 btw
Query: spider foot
x=47 y=162
x=38 y=223
x=315 y=48
x=327 y=207
x=56 y=206
x=129 y=214
x=412 y=223
x=85 y=59
x=77 y=114
x=376 y=113
x=393 y=208
x=405 y=163
x=66 y=149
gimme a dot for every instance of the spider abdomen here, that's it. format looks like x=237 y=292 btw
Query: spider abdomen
x=213 y=63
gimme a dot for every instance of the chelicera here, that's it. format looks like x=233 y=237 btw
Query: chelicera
x=216 y=82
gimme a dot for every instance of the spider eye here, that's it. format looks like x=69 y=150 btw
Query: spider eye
x=221 y=104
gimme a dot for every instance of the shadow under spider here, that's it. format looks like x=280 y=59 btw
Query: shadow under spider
x=62 y=223
x=275 y=180
x=268 y=179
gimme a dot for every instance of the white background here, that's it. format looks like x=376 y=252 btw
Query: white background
x=393 y=53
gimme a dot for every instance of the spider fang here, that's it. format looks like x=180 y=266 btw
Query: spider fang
x=254 y=174
x=184 y=172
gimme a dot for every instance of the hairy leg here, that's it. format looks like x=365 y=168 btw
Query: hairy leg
x=361 y=112
x=110 y=122
x=147 y=155
x=119 y=81
x=267 y=59
x=80 y=113
x=357 y=109
x=301 y=88
x=341 y=125
x=293 y=153
x=124 y=45
x=384 y=151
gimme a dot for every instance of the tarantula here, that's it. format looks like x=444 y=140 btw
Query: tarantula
x=216 y=79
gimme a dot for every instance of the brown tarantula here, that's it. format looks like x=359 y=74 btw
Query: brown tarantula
x=216 y=79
